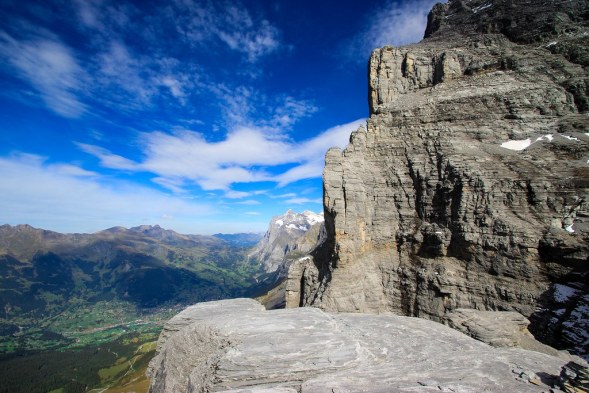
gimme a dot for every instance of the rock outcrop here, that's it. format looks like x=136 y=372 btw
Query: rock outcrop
x=237 y=346
x=469 y=185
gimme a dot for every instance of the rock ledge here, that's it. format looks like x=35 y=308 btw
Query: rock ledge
x=238 y=346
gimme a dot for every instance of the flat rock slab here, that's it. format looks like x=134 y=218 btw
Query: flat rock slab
x=238 y=346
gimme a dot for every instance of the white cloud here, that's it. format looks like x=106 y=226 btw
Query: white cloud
x=127 y=64
x=246 y=106
x=398 y=23
x=108 y=159
x=59 y=197
x=307 y=170
x=254 y=44
x=51 y=68
x=246 y=155
x=175 y=87
x=291 y=111
x=314 y=151
x=231 y=194
x=113 y=76
x=72 y=170
x=249 y=202
x=133 y=81
x=287 y=195
x=88 y=13
x=174 y=185
x=231 y=24
x=302 y=201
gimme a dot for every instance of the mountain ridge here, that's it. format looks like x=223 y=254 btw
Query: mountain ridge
x=143 y=268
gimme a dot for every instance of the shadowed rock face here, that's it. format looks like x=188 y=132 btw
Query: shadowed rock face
x=468 y=188
x=238 y=346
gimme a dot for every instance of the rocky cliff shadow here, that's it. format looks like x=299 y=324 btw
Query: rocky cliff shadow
x=548 y=379
x=561 y=319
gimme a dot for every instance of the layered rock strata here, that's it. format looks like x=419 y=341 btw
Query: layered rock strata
x=237 y=346
x=468 y=187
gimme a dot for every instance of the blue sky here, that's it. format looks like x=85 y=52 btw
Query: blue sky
x=199 y=116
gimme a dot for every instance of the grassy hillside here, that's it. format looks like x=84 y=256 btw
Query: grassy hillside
x=77 y=310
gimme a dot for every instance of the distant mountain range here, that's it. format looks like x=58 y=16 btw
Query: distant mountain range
x=146 y=265
x=44 y=273
x=80 y=302
x=240 y=239
x=47 y=277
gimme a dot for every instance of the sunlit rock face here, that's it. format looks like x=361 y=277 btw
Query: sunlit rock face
x=237 y=346
x=468 y=187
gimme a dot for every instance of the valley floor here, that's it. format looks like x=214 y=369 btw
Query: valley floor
x=101 y=349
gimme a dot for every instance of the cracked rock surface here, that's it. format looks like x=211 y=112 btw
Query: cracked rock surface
x=238 y=346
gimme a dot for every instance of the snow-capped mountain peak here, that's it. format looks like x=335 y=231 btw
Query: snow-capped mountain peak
x=296 y=221
x=286 y=233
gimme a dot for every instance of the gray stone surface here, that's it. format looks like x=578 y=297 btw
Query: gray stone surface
x=425 y=210
x=238 y=346
x=499 y=329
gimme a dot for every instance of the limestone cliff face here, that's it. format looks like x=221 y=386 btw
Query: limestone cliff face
x=468 y=188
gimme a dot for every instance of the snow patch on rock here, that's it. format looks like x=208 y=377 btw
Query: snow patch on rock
x=517 y=145
x=570 y=138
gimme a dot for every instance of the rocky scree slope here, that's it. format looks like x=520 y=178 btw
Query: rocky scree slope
x=468 y=188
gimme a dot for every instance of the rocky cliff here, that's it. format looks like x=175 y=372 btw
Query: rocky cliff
x=468 y=187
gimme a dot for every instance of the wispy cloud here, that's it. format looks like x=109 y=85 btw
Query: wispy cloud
x=64 y=196
x=129 y=65
x=230 y=24
x=246 y=106
x=313 y=151
x=50 y=67
x=255 y=44
x=237 y=194
x=291 y=111
x=397 y=23
x=249 y=202
x=303 y=201
x=90 y=14
x=246 y=155
x=133 y=81
x=174 y=185
x=108 y=159
x=287 y=195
